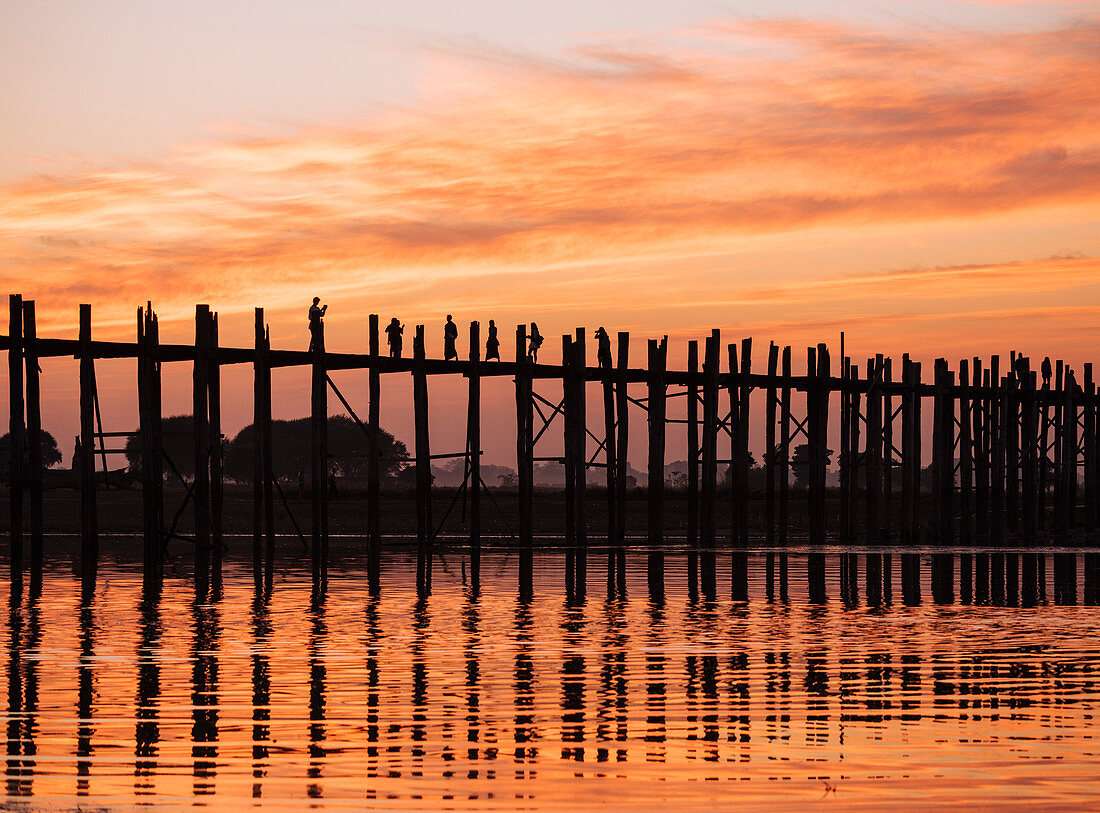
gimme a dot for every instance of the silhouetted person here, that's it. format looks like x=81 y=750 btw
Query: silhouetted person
x=1021 y=369
x=316 y=327
x=332 y=490
x=603 y=349
x=492 y=344
x=301 y=483
x=393 y=337
x=1047 y=371
x=76 y=455
x=450 y=336
x=535 y=343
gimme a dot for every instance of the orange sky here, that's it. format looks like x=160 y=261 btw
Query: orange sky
x=925 y=187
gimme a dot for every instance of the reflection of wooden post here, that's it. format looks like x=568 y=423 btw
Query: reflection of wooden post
x=201 y=436
x=33 y=438
x=710 y=440
x=374 y=466
x=423 y=462
x=89 y=523
x=524 y=445
x=655 y=380
x=623 y=420
x=15 y=434
x=693 y=444
x=473 y=451
x=217 y=485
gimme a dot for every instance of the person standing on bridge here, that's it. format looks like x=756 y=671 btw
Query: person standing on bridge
x=603 y=349
x=450 y=336
x=1047 y=372
x=393 y=337
x=316 y=326
x=492 y=344
x=536 y=343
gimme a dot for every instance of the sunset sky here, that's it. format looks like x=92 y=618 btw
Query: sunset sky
x=924 y=176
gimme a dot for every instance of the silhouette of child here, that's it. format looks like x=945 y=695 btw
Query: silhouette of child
x=450 y=334
x=393 y=337
x=492 y=344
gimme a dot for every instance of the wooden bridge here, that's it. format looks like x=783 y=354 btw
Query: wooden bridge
x=1002 y=443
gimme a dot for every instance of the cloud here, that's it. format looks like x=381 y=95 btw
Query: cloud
x=662 y=150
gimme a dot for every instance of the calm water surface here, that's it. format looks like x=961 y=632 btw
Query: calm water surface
x=843 y=681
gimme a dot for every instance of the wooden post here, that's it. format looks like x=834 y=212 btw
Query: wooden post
x=319 y=461
x=1028 y=448
x=1012 y=446
x=374 y=467
x=693 y=445
x=873 y=469
x=655 y=379
x=217 y=484
x=978 y=432
x=569 y=440
x=89 y=521
x=580 y=436
x=888 y=441
x=846 y=521
x=423 y=463
x=817 y=401
x=740 y=387
x=258 y=453
x=1067 y=475
x=785 y=448
x=769 y=444
x=269 y=467
x=201 y=446
x=854 y=428
x=966 y=459
x=996 y=452
x=1091 y=452
x=710 y=440
x=15 y=435
x=33 y=440
x=149 y=433
x=473 y=451
x=622 y=414
x=610 y=449
x=524 y=445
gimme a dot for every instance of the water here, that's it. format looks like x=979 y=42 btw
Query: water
x=960 y=681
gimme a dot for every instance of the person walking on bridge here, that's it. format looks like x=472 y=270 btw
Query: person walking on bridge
x=603 y=349
x=536 y=343
x=393 y=337
x=450 y=335
x=492 y=344
x=316 y=326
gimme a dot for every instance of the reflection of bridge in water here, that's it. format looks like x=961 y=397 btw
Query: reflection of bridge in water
x=831 y=666
x=1009 y=454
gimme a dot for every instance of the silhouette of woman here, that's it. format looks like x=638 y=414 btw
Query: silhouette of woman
x=603 y=349
x=492 y=344
x=536 y=343
x=393 y=337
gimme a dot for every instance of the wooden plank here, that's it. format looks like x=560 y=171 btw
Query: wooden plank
x=89 y=526
x=34 y=442
x=374 y=466
x=16 y=437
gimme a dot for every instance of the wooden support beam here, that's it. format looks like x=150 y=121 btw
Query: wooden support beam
x=693 y=445
x=1067 y=472
x=979 y=432
x=258 y=454
x=89 y=521
x=873 y=522
x=569 y=440
x=319 y=471
x=888 y=441
x=656 y=392
x=785 y=448
x=709 y=441
x=966 y=457
x=473 y=451
x=995 y=415
x=217 y=481
x=1011 y=405
x=740 y=389
x=580 y=439
x=424 y=527
x=769 y=461
x=854 y=429
x=269 y=468
x=610 y=453
x=374 y=466
x=33 y=441
x=524 y=445
x=151 y=463
x=200 y=494
x=622 y=415
x=16 y=437
x=1029 y=452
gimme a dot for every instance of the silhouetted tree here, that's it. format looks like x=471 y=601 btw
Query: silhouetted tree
x=800 y=463
x=51 y=454
x=177 y=440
